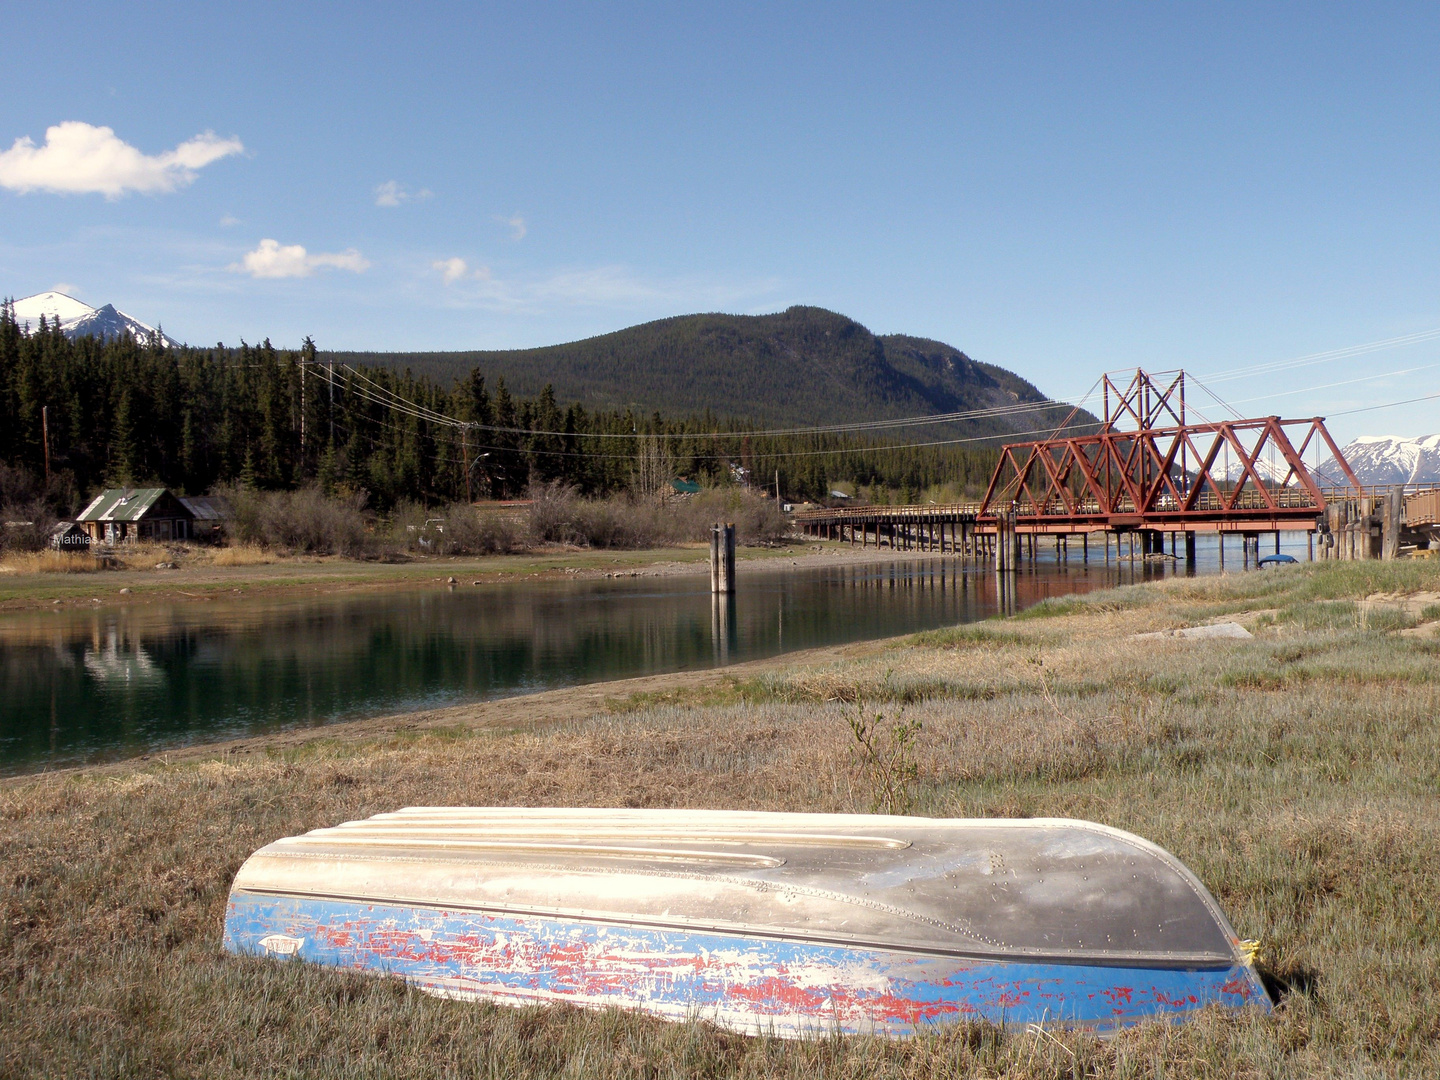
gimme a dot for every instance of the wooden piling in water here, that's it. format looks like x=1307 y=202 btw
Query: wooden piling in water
x=1391 y=511
x=722 y=559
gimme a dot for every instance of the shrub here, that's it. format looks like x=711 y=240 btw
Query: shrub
x=472 y=531
x=757 y=520
x=558 y=515
x=458 y=529
x=26 y=526
x=26 y=518
x=302 y=521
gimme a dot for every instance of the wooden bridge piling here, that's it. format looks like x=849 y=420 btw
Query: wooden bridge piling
x=1370 y=524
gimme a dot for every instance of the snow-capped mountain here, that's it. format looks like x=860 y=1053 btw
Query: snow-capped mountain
x=81 y=320
x=1386 y=459
x=1271 y=469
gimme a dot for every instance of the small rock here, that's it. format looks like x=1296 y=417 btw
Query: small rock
x=164 y=566
x=450 y=581
x=125 y=592
x=474 y=583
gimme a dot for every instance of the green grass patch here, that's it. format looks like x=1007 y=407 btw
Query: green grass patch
x=989 y=634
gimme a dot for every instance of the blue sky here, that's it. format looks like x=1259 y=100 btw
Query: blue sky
x=1059 y=189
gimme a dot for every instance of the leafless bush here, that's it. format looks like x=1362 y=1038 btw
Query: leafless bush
x=25 y=519
x=558 y=515
x=757 y=520
x=310 y=521
x=552 y=512
x=26 y=526
x=457 y=529
x=17 y=486
x=307 y=520
x=472 y=531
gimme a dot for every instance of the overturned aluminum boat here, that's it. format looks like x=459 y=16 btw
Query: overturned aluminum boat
x=783 y=923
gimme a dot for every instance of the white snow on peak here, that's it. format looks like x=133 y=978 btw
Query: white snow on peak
x=78 y=319
x=1389 y=459
x=52 y=305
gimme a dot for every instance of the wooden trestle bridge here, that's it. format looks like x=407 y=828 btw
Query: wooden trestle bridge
x=1148 y=473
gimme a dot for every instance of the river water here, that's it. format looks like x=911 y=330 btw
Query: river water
x=86 y=685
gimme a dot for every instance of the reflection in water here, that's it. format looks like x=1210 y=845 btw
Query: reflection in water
x=120 y=661
x=77 y=685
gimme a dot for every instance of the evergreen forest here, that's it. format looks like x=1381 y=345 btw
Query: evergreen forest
x=128 y=412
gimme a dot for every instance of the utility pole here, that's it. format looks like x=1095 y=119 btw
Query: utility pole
x=307 y=357
x=465 y=458
x=45 y=436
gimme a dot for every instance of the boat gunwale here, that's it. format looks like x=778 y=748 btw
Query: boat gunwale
x=304 y=845
x=369 y=827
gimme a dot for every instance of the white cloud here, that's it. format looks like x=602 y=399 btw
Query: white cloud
x=275 y=260
x=393 y=193
x=79 y=158
x=456 y=269
x=228 y=221
x=452 y=270
x=516 y=223
x=64 y=287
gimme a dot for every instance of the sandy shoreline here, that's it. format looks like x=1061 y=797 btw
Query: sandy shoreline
x=311 y=576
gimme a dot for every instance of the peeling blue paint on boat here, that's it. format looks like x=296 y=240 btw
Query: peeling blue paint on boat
x=756 y=985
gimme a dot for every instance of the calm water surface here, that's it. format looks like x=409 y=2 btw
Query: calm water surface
x=114 y=681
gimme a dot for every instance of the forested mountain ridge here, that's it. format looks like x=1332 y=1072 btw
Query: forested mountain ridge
x=78 y=414
x=803 y=366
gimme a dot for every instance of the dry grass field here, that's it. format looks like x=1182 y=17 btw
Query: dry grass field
x=1298 y=773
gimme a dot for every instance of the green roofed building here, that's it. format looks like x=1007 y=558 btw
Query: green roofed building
x=118 y=515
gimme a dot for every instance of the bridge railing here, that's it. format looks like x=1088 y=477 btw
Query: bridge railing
x=871 y=513
x=1422 y=505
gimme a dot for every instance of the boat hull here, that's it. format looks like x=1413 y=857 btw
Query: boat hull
x=752 y=984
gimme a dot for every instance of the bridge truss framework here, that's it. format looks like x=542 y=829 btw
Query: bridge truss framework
x=1161 y=473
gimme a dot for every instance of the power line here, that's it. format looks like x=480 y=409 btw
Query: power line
x=390 y=399
x=1343 y=353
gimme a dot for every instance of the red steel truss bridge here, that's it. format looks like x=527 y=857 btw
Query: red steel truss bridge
x=1152 y=467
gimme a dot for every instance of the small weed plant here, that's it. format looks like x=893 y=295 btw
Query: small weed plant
x=885 y=754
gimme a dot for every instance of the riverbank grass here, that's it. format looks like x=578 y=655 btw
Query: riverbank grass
x=1297 y=772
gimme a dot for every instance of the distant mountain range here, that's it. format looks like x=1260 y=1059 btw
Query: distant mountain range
x=801 y=367
x=79 y=319
x=1374 y=459
x=1386 y=459
x=804 y=366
